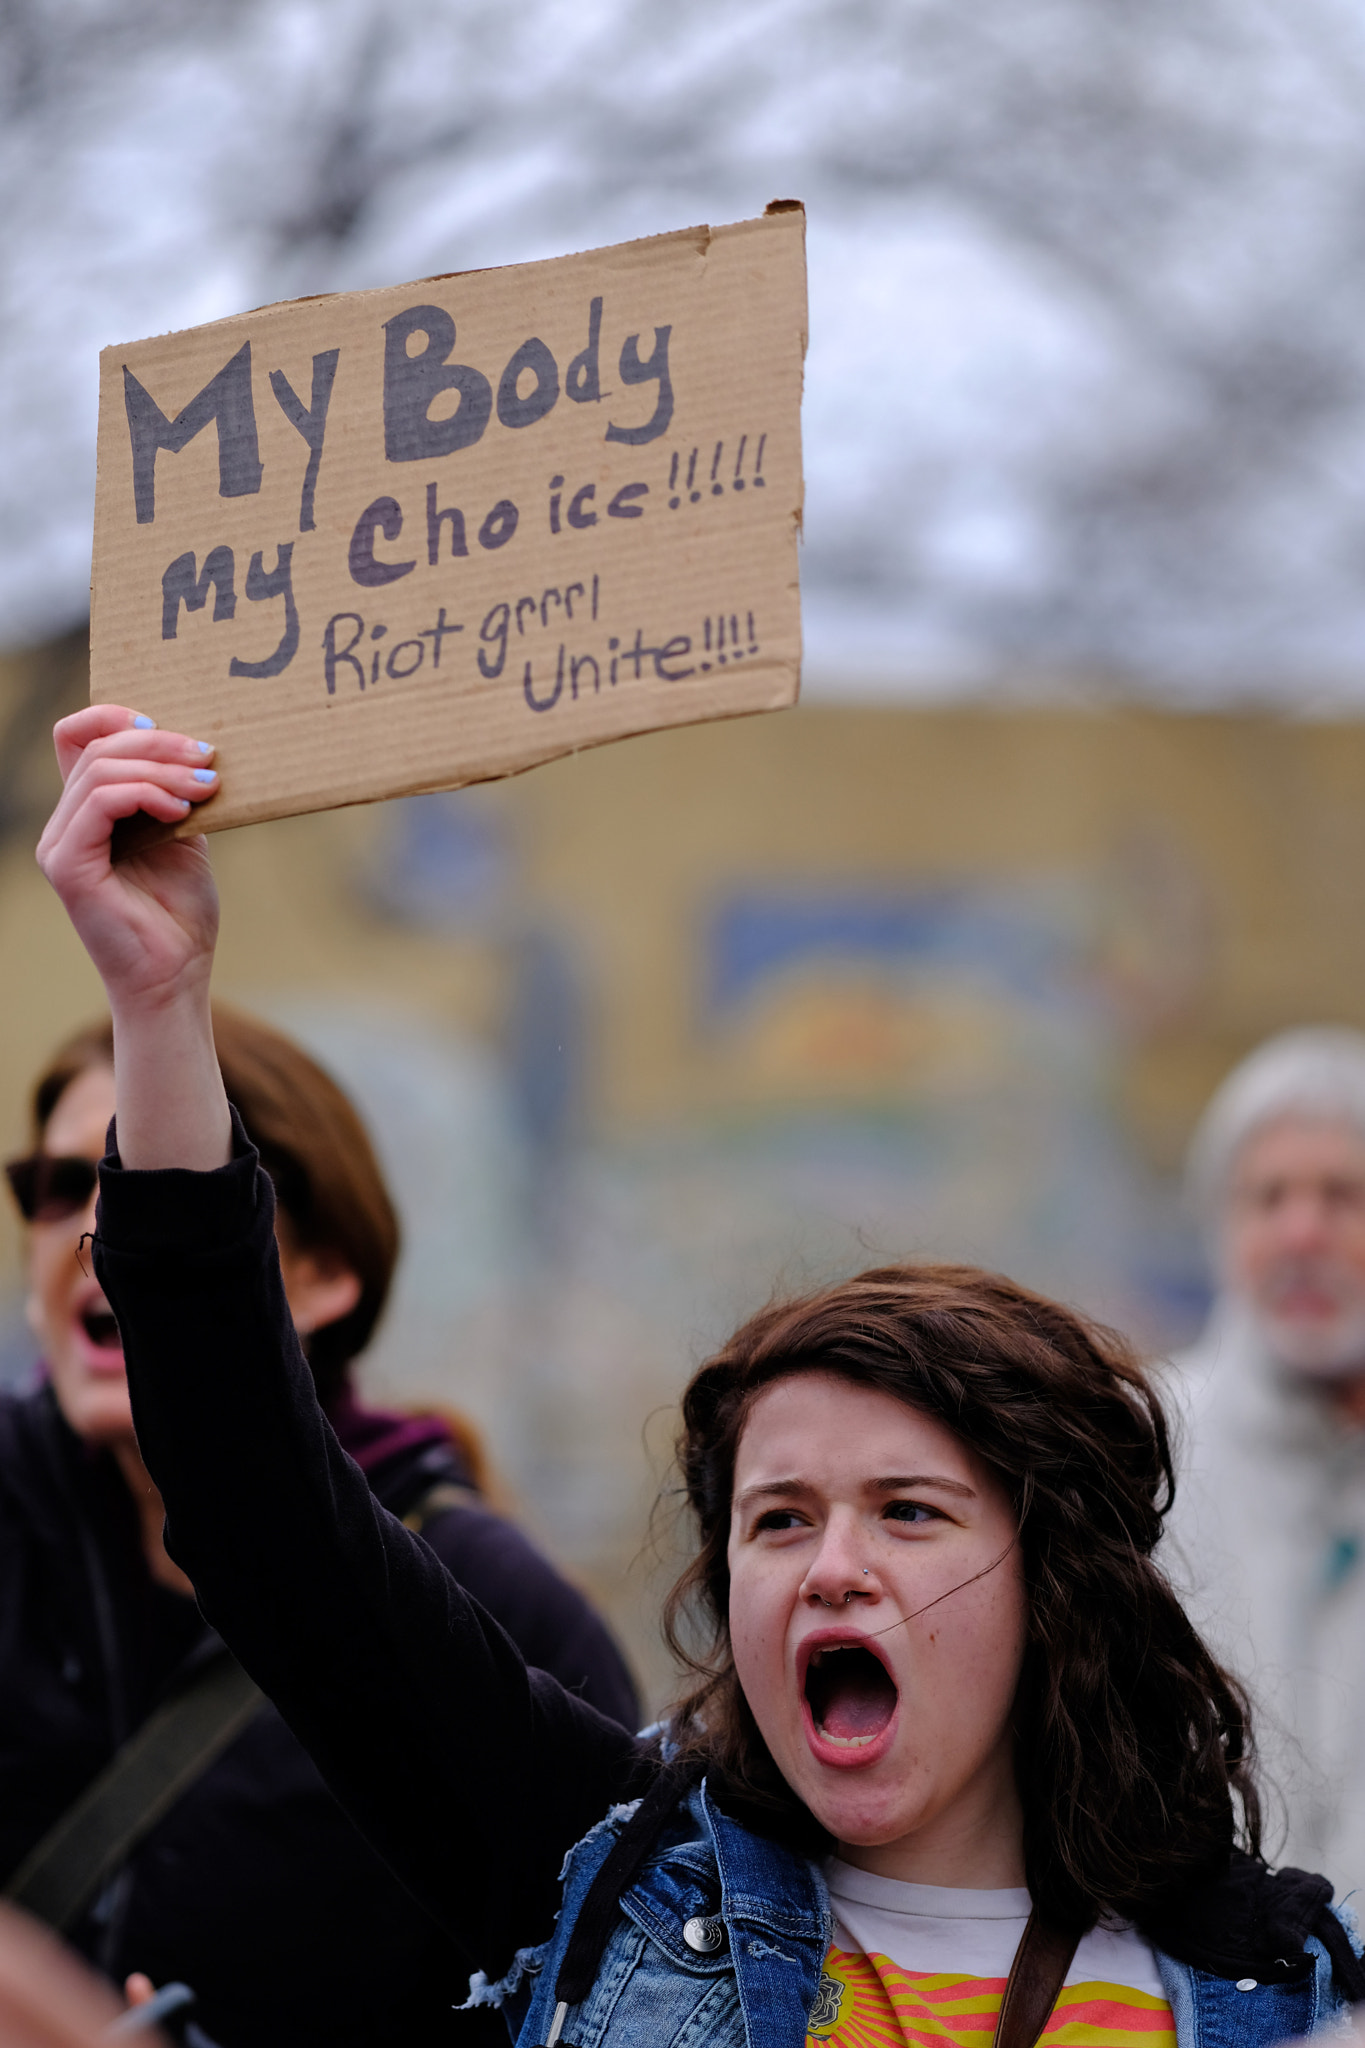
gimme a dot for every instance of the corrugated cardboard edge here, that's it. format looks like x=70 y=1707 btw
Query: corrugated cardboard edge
x=701 y=235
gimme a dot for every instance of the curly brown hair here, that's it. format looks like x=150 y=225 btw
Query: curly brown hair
x=1132 y=1744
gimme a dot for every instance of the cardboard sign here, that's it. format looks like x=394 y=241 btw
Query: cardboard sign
x=401 y=540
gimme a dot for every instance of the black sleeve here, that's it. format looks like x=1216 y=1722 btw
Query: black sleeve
x=471 y=1774
x=548 y=1619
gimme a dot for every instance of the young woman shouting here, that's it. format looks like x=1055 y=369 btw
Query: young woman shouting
x=954 y=1765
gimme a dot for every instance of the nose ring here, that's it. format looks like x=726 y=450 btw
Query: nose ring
x=847 y=1597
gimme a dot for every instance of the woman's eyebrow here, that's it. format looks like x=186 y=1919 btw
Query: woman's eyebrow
x=793 y=1489
x=934 y=1479
x=772 y=1489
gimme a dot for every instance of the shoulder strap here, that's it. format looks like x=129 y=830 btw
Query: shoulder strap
x=1347 y=1966
x=1036 y=1977
x=154 y=1768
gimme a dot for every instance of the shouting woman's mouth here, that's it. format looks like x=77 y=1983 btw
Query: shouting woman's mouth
x=103 y=1343
x=101 y=1329
x=850 y=1700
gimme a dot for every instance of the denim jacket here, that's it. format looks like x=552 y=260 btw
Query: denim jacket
x=765 y=1928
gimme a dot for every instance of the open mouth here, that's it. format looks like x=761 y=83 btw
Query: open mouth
x=101 y=1329
x=851 y=1695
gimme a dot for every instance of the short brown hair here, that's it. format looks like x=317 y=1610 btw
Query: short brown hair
x=1131 y=1742
x=314 y=1146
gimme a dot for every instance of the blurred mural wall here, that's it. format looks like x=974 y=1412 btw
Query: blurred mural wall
x=651 y=1031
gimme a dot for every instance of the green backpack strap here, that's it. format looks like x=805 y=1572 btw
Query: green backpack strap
x=155 y=1767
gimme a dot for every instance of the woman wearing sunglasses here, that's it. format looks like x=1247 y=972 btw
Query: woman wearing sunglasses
x=254 y=1887
x=952 y=1766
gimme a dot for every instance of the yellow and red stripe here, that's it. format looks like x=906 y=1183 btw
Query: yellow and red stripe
x=869 y=2002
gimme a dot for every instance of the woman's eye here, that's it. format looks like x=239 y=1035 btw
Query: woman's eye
x=911 y=1511
x=778 y=1518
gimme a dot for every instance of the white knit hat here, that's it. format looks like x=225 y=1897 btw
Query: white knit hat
x=1318 y=1072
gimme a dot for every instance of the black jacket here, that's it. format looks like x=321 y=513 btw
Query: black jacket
x=255 y=1889
x=470 y=1773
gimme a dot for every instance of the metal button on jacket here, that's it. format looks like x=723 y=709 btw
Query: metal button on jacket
x=704 y=1936
x=1246 y=1983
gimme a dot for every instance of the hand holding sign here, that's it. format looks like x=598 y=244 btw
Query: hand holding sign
x=149 y=923
x=402 y=540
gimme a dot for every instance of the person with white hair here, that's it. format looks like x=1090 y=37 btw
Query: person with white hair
x=1268 y=1532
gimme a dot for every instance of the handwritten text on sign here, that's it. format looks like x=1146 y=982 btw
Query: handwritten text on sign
x=367 y=543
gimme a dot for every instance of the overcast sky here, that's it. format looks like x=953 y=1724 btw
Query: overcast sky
x=1086 y=391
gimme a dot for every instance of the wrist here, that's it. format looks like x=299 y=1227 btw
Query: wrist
x=165 y=1006
x=172 y=1109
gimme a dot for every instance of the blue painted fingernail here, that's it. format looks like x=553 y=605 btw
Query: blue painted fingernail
x=206 y=774
x=203 y=746
x=143 y=723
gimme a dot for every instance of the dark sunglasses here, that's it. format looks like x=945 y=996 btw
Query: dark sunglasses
x=49 y=1189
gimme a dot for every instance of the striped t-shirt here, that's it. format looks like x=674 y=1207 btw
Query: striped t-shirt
x=925 y=1965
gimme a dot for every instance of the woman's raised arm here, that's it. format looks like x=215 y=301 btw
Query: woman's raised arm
x=470 y=1774
x=148 y=923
